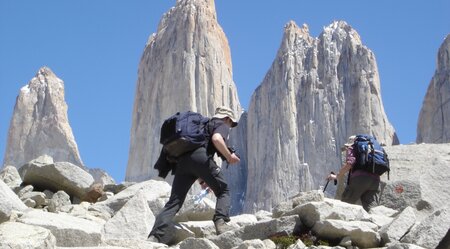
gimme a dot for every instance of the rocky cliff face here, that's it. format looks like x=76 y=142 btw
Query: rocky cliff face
x=318 y=92
x=434 y=118
x=186 y=65
x=40 y=124
x=236 y=175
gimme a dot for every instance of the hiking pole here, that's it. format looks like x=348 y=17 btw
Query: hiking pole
x=325 y=188
x=335 y=182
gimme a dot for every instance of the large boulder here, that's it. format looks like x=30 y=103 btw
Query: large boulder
x=16 y=235
x=69 y=231
x=9 y=202
x=418 y=176
x=394 y=231
x=11 y=177
x=193 y=211
x=432 y=230
x=43 y=174
x=156 y=192
x=133 y=220
x=312 y=212
x=197 y=243
x=101 y=176
x=362 y=234
x=260 y=230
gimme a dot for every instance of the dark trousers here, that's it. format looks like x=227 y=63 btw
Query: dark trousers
x=364 y=188
x=190 y=167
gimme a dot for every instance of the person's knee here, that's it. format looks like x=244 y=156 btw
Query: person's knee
x=221 y=189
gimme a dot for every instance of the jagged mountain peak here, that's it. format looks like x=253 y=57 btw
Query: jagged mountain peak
x=321 y=90
x=43 y=79
x=443 y=60
x=292 y=31
x=434 y=117
x=186 y=65
x=40 y=124
x=185 y=10
x=341 y=30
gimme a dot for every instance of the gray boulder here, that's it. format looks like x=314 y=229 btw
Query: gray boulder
x=191 y=211
x=57 y=176
x=9 y=202
x=37 y=197
x=394 y=231
x=153 y=190
x=312 y=212
x=11 y=177
x=101 y=176
x=68 y=230
x=58 y=200
x=429 y=232
x=133 y=220
x=130 y=243
x=260 y=230
x=419 y=174
x=403 y=246
x=190 y=243
x=16 y=235
x=362 y=234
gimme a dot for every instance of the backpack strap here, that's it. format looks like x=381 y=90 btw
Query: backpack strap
x=372 y=151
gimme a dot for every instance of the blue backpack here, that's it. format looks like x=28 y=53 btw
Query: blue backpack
x=370 y=156
x=183 y=132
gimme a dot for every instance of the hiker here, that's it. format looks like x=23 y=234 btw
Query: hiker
x=199 y=164
x=362 y=185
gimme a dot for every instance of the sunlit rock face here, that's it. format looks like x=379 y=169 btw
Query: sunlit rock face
x=317 y=92
x=434 y=118
x=186 y=65
x=40 y=125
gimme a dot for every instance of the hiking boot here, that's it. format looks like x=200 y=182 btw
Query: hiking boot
x=222 y=227
x=153 y=239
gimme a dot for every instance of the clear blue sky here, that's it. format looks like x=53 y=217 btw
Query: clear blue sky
x=95 y=48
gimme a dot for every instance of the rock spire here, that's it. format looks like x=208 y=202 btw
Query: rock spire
x=40 y=124
x=186 y=65
x=317 y=92
x=434 y=117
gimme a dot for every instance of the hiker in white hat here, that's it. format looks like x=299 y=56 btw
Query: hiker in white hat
x=225 y=112
x=199 y=165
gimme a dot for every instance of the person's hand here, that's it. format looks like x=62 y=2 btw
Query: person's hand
x=203 y=184
x=331 y=177
x=233 y=159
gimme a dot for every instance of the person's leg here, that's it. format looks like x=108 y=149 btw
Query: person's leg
x=208 y=170
x=354 y=191
x=370 y=198
x=180 y=187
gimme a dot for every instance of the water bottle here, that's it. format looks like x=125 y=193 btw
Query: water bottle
x=198 y=198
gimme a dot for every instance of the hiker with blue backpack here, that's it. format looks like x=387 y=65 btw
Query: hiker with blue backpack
x=365 y=161
x=189 y=144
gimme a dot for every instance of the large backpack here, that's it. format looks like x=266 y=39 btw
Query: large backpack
x=370 y=156
x=183 y=132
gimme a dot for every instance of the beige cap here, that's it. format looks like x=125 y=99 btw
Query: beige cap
x=350 y=141
x=222 y=112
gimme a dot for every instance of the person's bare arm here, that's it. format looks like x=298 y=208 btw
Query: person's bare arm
x=344 y=169
x=221 y=146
